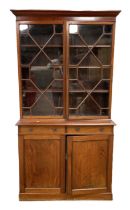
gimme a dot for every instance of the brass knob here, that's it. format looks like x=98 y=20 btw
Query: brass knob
x=101 y=129
x=54 y=129
x=30 y=129
x=77 y=129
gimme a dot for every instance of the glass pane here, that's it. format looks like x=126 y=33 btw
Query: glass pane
x=29 y=98
x=26 y=111
x=89 y=85
x=73 y=29
x=101 y=99
x=58 y=72
x=103 y=54
x=75 y=99
x=47 y=105
x=108 y=28
x=75 y=40
x=58 y=29
x=90 y=60
x=103 y=85
x=27 y=54
x=57 y=85
x=57 y=39
x=105 y=112
x=105 y=40
x=89 y=107
x=41 y=33
x=41 y=60
x=75 y=85
x=76 y=54
x=89 y=74
x=41 y=76
x=59 y=111
x=43 y=106
x=106 y=73
x=55 y=54
x=56 y=98
x=28 y=85
x=90 y=33
x=25 y=72
x=25 y=39
x=73 y=73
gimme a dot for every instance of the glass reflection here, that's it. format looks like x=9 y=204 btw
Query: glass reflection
x=73 y=29
x=23 y=27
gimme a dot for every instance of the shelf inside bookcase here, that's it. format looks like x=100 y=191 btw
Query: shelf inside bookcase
x=40 y=46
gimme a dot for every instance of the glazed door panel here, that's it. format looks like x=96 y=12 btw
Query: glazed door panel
x=44 y=164
x=89 y=160
x=41 y=61
x=89 y=67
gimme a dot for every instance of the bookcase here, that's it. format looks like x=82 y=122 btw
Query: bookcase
x=65 y=66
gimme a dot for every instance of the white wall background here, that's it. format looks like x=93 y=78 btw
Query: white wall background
x=9 y=106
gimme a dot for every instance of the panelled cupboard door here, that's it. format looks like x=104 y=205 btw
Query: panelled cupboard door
x=89 y=164
x=43 y=167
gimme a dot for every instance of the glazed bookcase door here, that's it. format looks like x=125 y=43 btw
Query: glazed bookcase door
x=90 y=66
x=41 y=50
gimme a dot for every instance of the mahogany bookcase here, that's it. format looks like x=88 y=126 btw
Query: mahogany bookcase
x=65 y=65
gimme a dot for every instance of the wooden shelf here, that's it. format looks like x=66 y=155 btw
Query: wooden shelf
x=89 y=46
x=88 y=90
x=70 y=91
x=40 y=46
x=73 y=46
x=52 y=66
x=89 y=67
x=30 y=91
x=47 y=91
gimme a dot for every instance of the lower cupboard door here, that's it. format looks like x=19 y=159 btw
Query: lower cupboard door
x=89 y=166
x=43 y=165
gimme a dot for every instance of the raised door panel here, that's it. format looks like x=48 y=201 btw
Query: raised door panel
x=89 y=164
x=43 y=164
